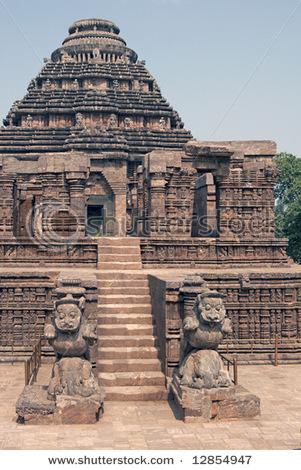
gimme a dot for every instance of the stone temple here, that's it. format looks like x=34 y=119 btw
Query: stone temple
x=103 y=189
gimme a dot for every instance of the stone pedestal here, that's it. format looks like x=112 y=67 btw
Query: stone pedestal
x=217 y=403
x=34 y=407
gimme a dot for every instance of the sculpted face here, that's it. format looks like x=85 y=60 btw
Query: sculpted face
x=212 y=310
x=67 y=317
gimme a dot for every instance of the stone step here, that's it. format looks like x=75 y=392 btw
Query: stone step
x=118 y=241
x=123 y=291
x=121 y=319
x=119 y=258
x=136 y=393
x=122 y=249
x=128 y=365
x=129 y=283
x=128 y=353
x=147 y=378
x=128 y=341
x=127 y=299
x=113 y=265
x=126 y=329
x=124 y=308
x=121 y=276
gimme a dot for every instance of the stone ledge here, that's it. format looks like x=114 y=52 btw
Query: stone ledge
x=214 y=404
x=34 y=407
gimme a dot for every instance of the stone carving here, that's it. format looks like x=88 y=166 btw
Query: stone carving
x=202 y=367
x=202 y=387
x=75 y=84
x=79 y=120
x=95 y=53
x=47 y=85
x=29 y=121
x=162 y=123
x=74 y=393
x=113 y=121
x=71 y=338
x=66 y=58
x=128 y=123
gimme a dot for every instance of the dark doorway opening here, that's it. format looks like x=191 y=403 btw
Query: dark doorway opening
x=95 y=220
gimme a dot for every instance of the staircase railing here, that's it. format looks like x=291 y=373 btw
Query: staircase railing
x=33 y=364
x=231 y=363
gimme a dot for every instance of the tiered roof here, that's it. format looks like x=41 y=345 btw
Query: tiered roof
x=92 y=81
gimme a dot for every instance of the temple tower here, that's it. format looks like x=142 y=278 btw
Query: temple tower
x=82 y=130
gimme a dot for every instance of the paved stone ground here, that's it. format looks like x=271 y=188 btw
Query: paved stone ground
x=153 y=425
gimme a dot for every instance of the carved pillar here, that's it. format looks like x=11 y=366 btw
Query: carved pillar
x=173 y=328
x=7 y=204
x=120 y=210
x=76 y=182
x=157 y=209
x=205 y=222
x=140 y=201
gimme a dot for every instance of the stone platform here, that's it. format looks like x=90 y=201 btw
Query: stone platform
x=34 y=407
x=217 y=403
x=156 y=425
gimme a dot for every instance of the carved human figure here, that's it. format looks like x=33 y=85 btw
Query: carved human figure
x=96 y=53
x=113 y=121
x=66 y=58
x=79 y=120
x=47 y=84
x=29 y=121
x=162 y=123
x=204 y=328
x=75 y=84
x=128 y=123
x=72 y=337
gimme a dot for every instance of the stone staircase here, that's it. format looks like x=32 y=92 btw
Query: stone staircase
x=119 y=253
x=128 y=364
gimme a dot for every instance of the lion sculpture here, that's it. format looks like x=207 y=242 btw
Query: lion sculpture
x=204 y=329
x=72 y=337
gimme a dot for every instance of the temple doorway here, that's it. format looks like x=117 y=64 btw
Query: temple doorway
x=100 y=221
x=95 y=221
x=100 y=207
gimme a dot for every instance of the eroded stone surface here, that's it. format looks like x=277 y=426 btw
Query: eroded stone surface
x=73 y=392
x=204 y=328
x=77 y=410
x=34 y=406
x=204 y=405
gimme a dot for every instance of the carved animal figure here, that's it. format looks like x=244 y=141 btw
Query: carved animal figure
x=204 y=329
x=71 y=338
x=69 y=334
x=73 y=376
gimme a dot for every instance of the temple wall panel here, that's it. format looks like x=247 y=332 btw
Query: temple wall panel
x=260 y=306
x=26 y=301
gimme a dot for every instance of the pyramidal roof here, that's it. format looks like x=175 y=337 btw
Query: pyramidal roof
x=93 y=83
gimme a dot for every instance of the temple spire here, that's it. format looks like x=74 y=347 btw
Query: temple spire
x=95 y=40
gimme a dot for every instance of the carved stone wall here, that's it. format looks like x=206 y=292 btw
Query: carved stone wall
x=260 y=307
x=190 y=252
x=26 y=300
x=28 y=253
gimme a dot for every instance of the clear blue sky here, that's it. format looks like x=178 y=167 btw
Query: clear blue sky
x=230 y=67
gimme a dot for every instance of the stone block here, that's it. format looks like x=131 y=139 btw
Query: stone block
x=77 y=410
x=218 y=403
x=242 y=405
x=34 y=407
